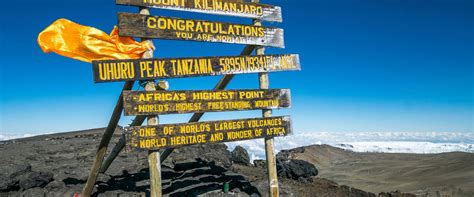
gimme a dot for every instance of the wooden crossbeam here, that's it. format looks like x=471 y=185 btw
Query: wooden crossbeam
x=269 y=149
x=104 y=142
x=222 y=84
x=137 y=121
x=109 y=131
x=154 y=161
x=155 y=157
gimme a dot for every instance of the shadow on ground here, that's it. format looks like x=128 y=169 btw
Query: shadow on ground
x=185 y=179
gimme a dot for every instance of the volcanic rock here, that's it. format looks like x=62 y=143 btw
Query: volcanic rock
x=35 y=179
x=199 y=170
x=396 y=194
x=296 y=169
x=23 y=178
x=240 y=156
x=216 y=153
x=260 y=163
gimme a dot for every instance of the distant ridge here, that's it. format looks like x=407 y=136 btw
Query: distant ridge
x=382 y=142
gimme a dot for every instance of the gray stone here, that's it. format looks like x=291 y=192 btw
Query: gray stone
x=35 y=179
x=260 y=163
x=10 y=176
x=240 y=156
x=295 y=169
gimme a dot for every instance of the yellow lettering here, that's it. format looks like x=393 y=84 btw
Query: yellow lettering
x=147 y=132
x=151 y=22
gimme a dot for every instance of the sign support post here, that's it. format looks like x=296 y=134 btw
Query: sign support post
x=104 y=142
x=154 y=162
x=109 y=131
x=269 y=150
x=222 y=84
x=147 y=108
x=138 y=121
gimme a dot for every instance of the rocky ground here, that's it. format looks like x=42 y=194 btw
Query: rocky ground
x=445 y=174
x=58 y=165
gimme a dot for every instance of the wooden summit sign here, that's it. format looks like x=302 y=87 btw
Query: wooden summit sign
x=146 y=26
x=175 y=102
x=149 y=69
x=221 y=7
x=148 y=104
x=175 y=135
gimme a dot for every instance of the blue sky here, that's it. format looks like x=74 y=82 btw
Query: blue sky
x=367 y=65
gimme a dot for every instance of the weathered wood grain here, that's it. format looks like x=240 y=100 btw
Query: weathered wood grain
x=177 y=102
x=176 y=135
x=222 y=84
x=220 y=7
x=161 y=68
x=264 y=83
x=154 y=162
x=136 y=25
x=137 y=121
x=104 y=142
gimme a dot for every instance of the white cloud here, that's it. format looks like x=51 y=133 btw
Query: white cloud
x=390 y=142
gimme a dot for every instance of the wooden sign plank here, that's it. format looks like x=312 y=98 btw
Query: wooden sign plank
x=137 y=25
x=220 y=7
x=175 y=135
x=177 y=102
x=148 y=69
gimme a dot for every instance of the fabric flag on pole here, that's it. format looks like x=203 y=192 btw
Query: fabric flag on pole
x=84 y=43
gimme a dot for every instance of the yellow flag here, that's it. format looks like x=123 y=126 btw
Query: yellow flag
x=84 y=43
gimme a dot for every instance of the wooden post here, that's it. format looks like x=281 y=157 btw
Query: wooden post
x=114 y=153
x=109 y=131
x=222 y=84
x=104 y=142
x=269 y=149
x=153 y=156
x=138 y=121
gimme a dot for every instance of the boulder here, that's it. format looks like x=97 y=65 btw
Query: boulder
x=216 y=153
x=260 y=163
x=19 y=170
x=296 y=169
x=21 y=177
x=284 y=155
x=240 y=156
x=35 y=179
x=9 y=174
x=396 y=194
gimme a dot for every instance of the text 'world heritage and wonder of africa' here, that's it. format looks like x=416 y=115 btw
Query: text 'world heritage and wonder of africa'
x=173 y=135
